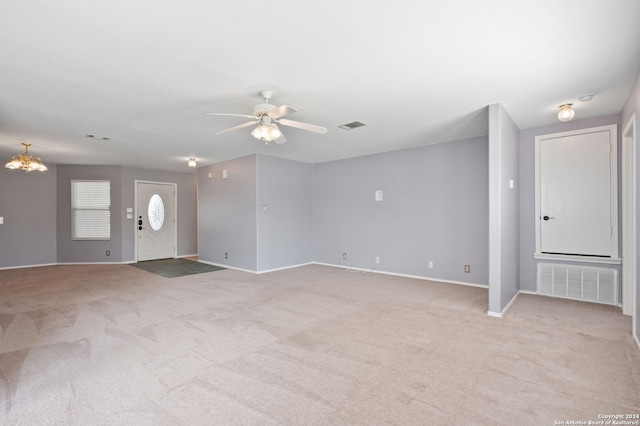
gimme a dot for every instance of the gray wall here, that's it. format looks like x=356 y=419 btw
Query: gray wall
x=435 y=208
x=528 y=190
x=122 y=241
x=28 y=206
x=227 y=216
x=632 y=106
x=285 y=229
x=70 y=251
x=503 y=209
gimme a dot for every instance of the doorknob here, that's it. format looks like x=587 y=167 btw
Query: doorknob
x=548 y=217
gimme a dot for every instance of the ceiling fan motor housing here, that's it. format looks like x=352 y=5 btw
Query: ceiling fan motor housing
x=262 y=109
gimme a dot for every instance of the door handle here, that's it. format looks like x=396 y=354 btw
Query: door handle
x=548 y=217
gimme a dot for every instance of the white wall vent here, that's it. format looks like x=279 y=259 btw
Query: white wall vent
x=587 y=283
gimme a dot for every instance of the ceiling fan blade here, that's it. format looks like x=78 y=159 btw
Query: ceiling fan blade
x=303 y=126
x=232 y=115
x=281 y=111
x=281 y=140
x=238 y=127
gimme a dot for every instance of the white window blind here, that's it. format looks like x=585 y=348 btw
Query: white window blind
x=90 y=209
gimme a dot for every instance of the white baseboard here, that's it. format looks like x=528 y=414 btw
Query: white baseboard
x=283 y=268
x=126 y=262
x=506 y=308
x=504 y=311
x=417 y=277
x=222 y=265
x=66 y=264
x=637 y=342
x=266 y=271
x=186 y=255
x=27 y=266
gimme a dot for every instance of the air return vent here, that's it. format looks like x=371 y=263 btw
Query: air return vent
x=585 y=283
x=352 y=125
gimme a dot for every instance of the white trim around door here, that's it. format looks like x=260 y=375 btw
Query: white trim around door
x=140 y=211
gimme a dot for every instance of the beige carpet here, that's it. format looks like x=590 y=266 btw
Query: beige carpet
x=112 y=344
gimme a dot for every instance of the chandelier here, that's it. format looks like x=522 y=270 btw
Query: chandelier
x=26 y=162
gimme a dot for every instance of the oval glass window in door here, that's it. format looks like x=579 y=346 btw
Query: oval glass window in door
x=156 y=212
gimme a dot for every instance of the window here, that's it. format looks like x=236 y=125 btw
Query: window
x=90 y=210
x=156 y=212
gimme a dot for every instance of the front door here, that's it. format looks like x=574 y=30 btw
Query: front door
x=155 y=220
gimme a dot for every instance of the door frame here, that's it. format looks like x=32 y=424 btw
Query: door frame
x=629 y=225
x=136 y=207
x=615 y=258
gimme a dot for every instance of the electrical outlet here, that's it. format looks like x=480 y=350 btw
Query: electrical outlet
x=226 y=255
x=377 y=259
x=344 y=256
x=467 y=269
x=430 y=264
x=108 y=252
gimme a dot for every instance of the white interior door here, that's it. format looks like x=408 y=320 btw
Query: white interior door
x=155 y=220
x=576 y=191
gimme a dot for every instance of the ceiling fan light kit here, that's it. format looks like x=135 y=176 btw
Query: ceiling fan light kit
x=266 y=115
x=267 y=133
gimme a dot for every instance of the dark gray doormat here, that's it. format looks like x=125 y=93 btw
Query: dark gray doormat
x=172 y=268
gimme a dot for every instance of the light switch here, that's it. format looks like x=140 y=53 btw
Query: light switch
x=1 y=220
x=379 y=195
x=511 y=185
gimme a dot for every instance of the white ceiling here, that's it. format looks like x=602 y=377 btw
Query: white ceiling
x=144 y=73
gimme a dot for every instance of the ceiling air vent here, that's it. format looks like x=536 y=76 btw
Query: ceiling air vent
x=90 y=136
x=352 y=125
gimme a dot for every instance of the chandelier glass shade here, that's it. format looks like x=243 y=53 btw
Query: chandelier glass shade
x=266 y=132
x=566 y=113
x=26 y=162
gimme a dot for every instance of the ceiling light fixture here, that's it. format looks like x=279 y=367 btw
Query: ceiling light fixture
x=26 y=162
x=266 y=131
x=192 y=162
x=566 y=113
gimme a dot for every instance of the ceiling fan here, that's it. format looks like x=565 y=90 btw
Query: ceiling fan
x=266 y=116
